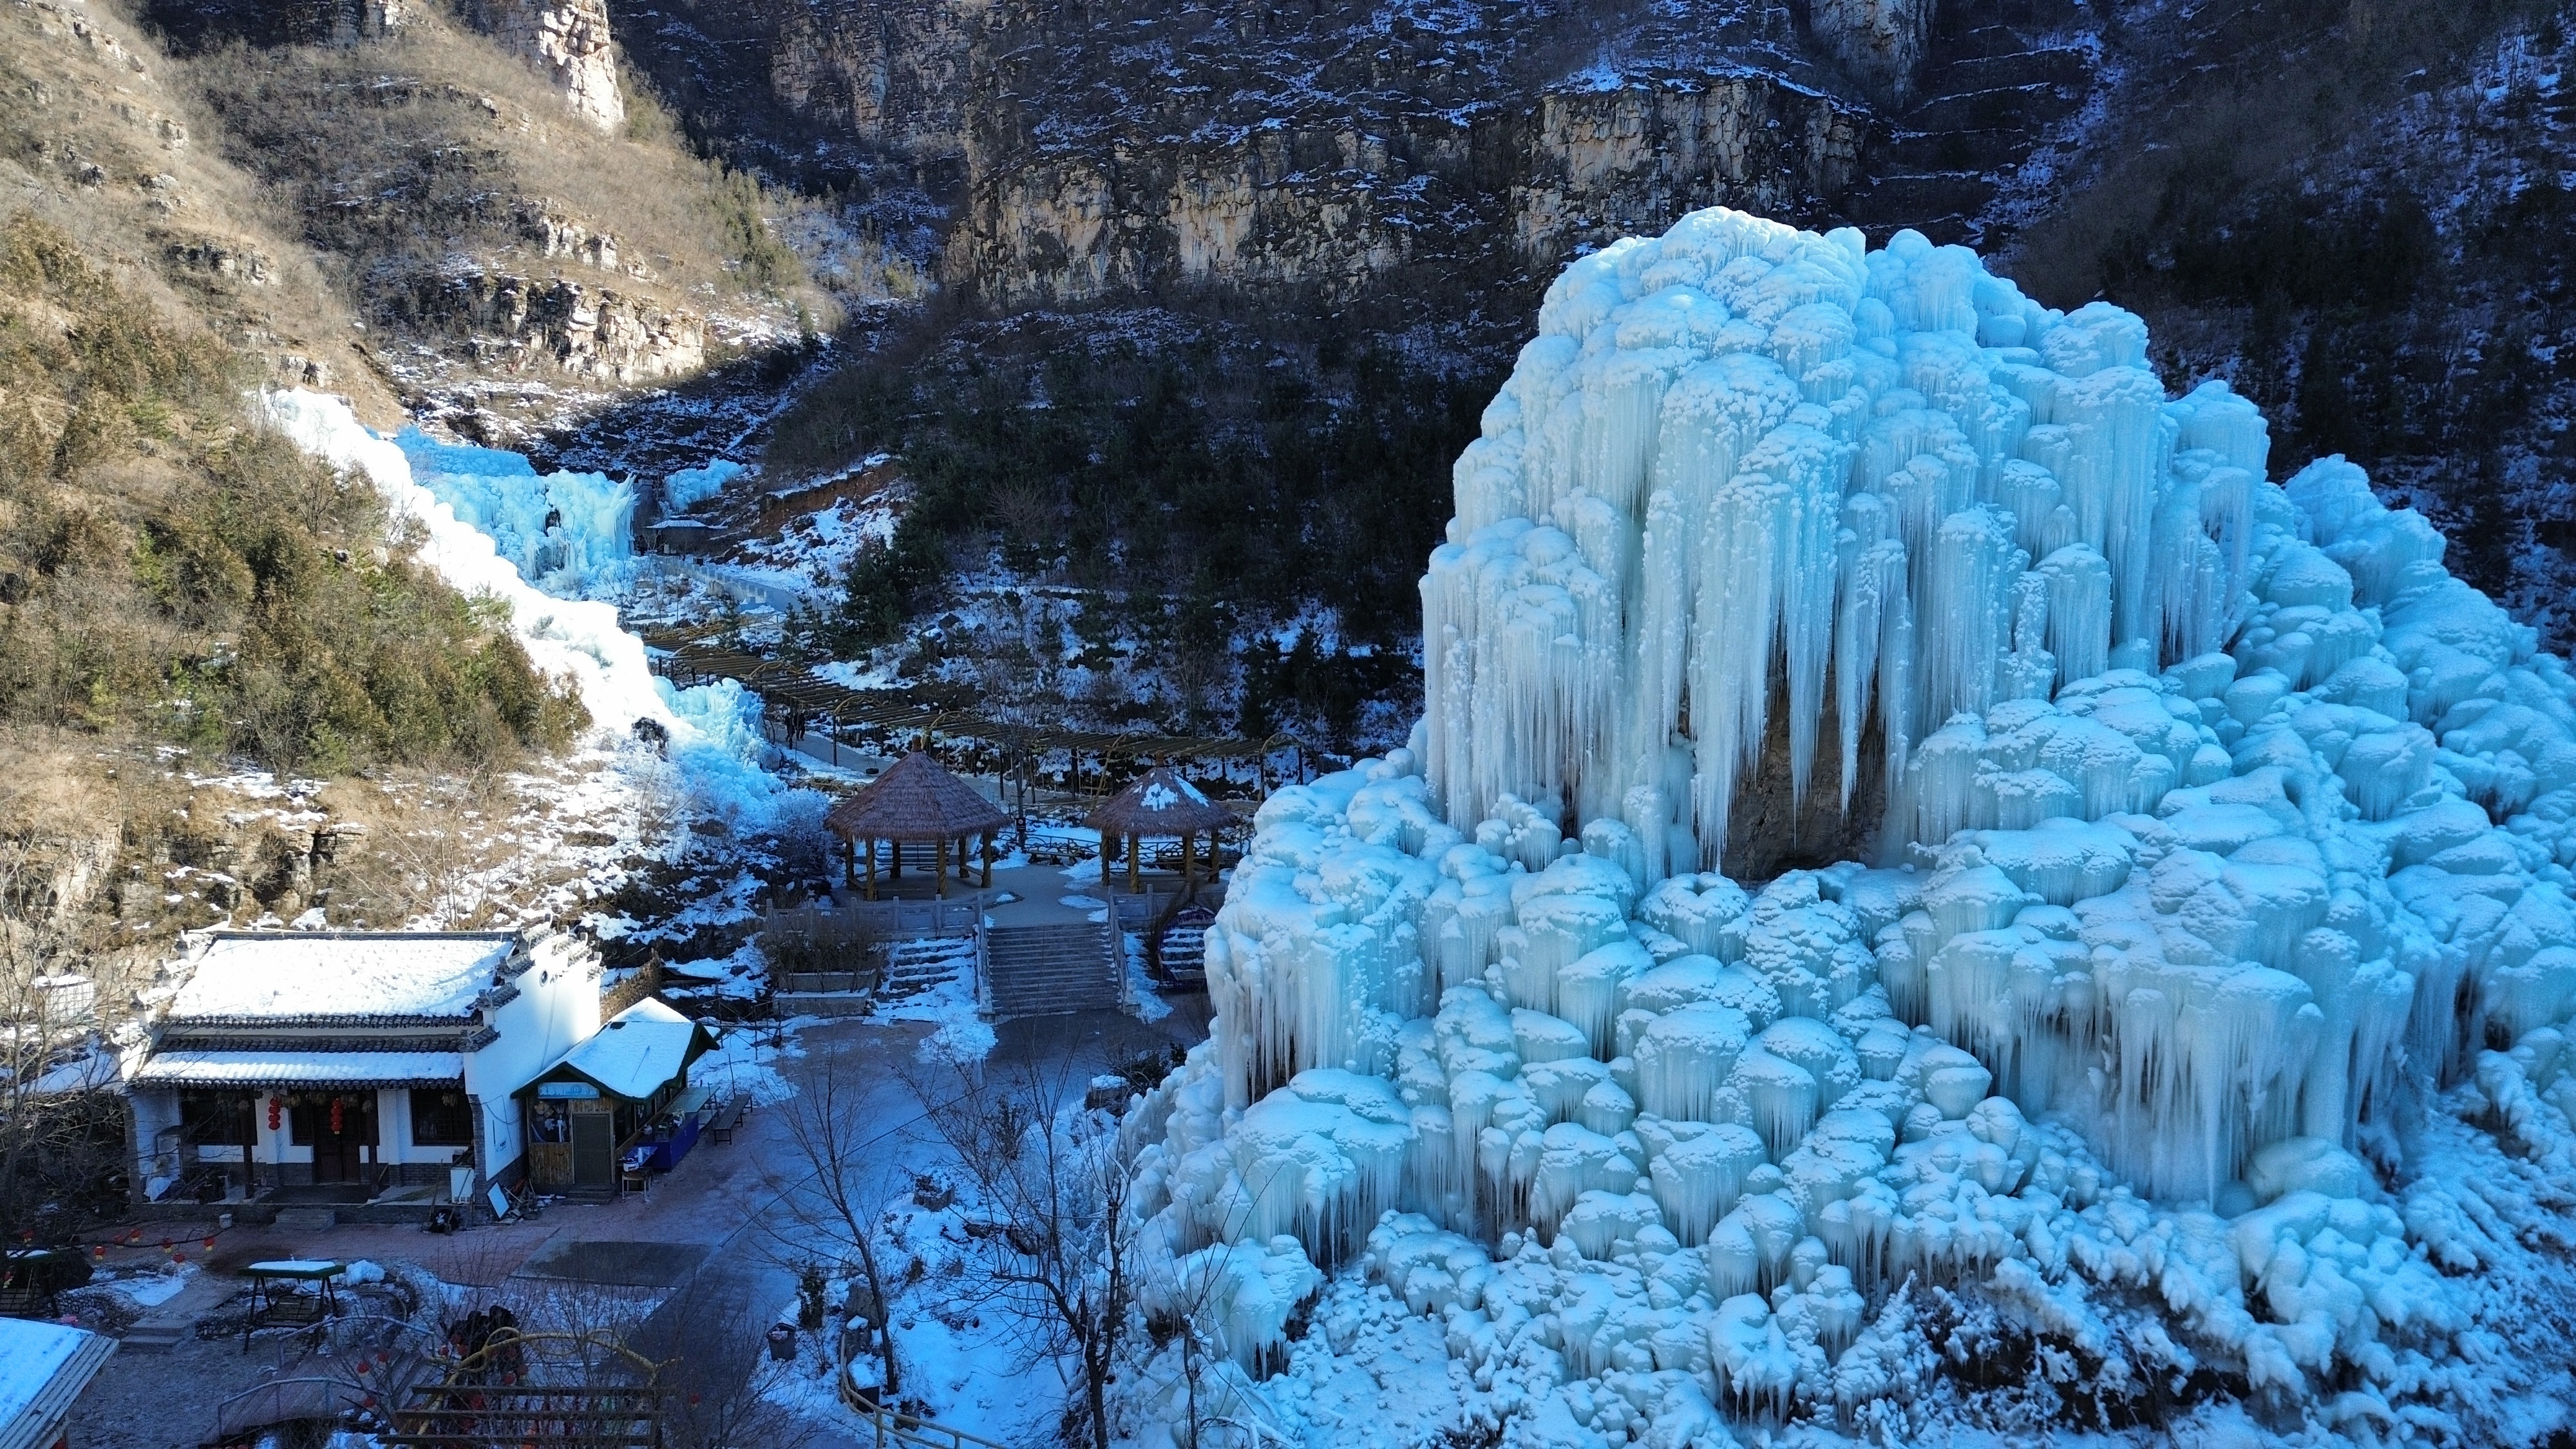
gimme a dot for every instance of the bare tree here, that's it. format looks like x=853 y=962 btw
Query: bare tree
x=721 y=1382
x=1047 y=1219
x=60 y=1133
x=838 y=1201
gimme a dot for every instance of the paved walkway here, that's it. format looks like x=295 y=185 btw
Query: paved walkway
x=707 y=1254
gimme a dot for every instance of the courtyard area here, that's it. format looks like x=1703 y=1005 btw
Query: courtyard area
x=694 y=1271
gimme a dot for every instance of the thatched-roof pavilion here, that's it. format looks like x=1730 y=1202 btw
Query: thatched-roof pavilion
x=1160 y=804
x=915 y=802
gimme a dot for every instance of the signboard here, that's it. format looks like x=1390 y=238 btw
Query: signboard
x=566 y=1089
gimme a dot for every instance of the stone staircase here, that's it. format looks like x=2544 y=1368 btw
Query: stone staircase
x=915 y=966
x=1183 y=955
x=2000 y=75
x=1044 y=970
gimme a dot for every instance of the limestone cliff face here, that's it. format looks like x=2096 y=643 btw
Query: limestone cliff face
x=1608 y=162
x=1340 y=209
x=1882 y=43
x=1062 y=150
x=888 y=72
x=570 y=41
x=1328 y=146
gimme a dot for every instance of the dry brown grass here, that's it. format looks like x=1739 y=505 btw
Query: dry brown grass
x=90 y=124
x=398 y=155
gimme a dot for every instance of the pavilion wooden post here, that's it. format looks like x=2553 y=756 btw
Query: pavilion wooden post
x=1189 y=843
x=872 y=867
x=849 y=862
x=1135 y=850
x=941 y=849
x=896 y=848
x=988 y=860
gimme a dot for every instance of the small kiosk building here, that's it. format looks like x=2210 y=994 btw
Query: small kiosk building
x=618 y=1105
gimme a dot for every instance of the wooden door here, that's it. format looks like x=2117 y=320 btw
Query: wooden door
x=594 y=1147
x=341 y=1156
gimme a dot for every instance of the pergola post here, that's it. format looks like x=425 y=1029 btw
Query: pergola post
x=1135 y=849
x=940 y=847
x=1189 y=843
x=849 y=862
x=895 y=848
x=872 y=867
x=988 y=860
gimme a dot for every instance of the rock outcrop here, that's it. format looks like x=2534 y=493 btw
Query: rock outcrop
x=1334 y=148
x=567 y=39
x=1881 y=43
x=518 y=324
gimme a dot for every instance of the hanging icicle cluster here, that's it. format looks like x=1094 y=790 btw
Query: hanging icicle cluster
x=1744 y=465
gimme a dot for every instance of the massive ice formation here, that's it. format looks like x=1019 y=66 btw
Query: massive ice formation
x=2204 y=830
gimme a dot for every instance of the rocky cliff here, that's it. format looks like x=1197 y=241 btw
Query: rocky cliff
x=1076 y=152
x=566 y=39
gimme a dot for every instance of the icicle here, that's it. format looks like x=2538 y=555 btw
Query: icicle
x=2121 y=437
x=1964 y=596
x=2079 y=611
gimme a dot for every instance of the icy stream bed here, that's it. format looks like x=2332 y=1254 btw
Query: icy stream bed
x=2186 y=1043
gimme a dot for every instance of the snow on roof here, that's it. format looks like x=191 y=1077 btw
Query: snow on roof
x=43 y=1368
x=84 y=1073
x=635 y=1051
x=1160 y=803
x=187 y=1068
x=334 y=975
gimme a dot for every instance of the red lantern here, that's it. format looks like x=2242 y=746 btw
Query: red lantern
x=335 y=1116
x=276 y=1106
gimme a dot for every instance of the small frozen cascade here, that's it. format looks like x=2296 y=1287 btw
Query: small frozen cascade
x=713 y=731
x=571 y=534
x=2221 y=841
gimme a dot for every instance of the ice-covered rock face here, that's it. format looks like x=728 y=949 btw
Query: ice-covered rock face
x=2222 y=832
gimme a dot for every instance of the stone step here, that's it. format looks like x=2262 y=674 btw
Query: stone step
x=153 y=1335
x=1037 y=970
x=308 y=1219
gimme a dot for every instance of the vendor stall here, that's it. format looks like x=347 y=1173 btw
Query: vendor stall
x=619 y=1105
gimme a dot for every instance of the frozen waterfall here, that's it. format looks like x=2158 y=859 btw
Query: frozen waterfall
x=2204 y=831
x=713 y=730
